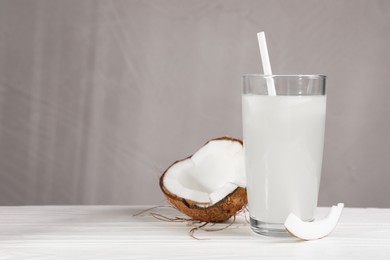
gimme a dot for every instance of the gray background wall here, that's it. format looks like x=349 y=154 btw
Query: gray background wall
x=97 y=98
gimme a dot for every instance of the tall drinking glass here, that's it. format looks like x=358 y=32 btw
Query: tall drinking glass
x=283 y=141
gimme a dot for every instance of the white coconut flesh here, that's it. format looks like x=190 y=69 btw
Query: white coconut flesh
x=212 y=173
x=316 y=229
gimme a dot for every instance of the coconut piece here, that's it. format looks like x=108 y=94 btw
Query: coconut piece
x=209 y=185
x=316 y=229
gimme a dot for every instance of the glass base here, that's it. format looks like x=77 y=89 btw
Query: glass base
x=268 y=229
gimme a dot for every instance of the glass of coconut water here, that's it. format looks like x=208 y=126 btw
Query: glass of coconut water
x=283 y=141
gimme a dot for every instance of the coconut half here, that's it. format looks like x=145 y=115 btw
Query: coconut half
x=316 y=229
x=209 y=185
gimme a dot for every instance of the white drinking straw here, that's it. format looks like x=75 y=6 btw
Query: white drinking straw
x=266 y=63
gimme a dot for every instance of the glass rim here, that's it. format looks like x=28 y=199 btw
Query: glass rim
x=313 y=76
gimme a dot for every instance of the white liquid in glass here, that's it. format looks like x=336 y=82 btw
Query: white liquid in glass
x=283 y=140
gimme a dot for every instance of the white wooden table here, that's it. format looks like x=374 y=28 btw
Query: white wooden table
x=112 y=232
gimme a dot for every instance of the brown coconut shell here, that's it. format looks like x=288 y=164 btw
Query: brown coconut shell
x=218 y=212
